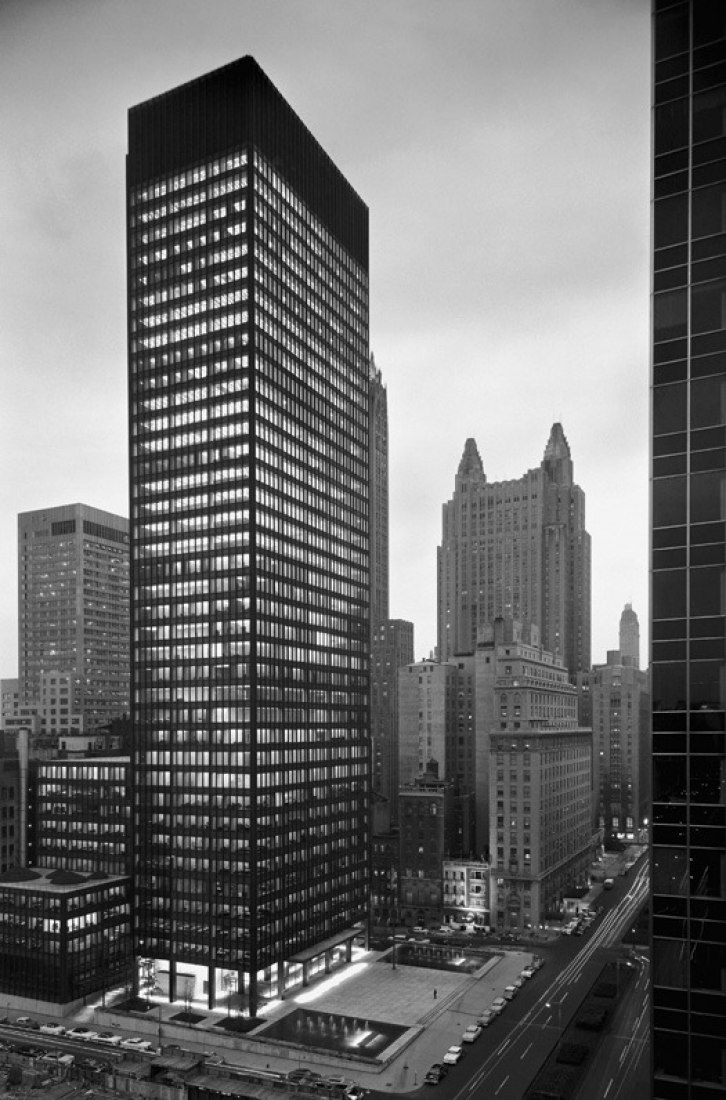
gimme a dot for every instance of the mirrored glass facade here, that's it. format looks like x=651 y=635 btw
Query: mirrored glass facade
x=249 y=364
x=689 y=551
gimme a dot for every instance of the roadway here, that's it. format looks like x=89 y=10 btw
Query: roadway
x=503 y=1062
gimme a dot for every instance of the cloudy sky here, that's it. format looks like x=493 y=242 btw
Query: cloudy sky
x=502 y=147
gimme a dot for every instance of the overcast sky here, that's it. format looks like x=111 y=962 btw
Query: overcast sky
x=502 y=147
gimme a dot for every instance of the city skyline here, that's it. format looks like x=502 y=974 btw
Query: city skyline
x=534 y=281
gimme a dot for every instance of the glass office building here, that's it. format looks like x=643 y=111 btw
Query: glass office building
x=249 y=380
x=688 y=551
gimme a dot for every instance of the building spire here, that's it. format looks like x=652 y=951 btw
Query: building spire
x=471 y=464
x=557 y=460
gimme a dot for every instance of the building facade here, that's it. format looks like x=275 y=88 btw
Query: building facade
x=392 y=649
x=688 y=582
x=73 y=617
x=249 y=381
x=378 y=465
x=466 y=892
x=516 y=549
x=541 y=822
x=619 y=715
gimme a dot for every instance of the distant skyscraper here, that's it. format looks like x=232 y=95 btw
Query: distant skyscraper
x=392 y=649
x=378 y=462
x=516 y=549
x=630 y=636
x=616 y=704
x=73 y=616
x=249 y=368
x=688 y=509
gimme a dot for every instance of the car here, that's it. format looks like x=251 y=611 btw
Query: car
x=26 y=1021
x=510 y=992
x=537 y=962
x=136 y=1043
x=453 y=1055
x=498 y=1005
x=420 y=928
x=84 y=1033
x=528 y=972
x=444 y=930
x=52 y=1029
x=436 y=1073
x=109 y=1039
x=519 y=982
x=471 y=1034
x=486 y=1017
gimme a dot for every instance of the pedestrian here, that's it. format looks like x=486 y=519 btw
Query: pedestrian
x=435 y=994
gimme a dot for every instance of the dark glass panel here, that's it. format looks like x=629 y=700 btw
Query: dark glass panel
x=669 y=742
x=708 y=438
x=709 y=22
x=669 y=506
x=669 y=651
x=671 y=32
x=708 y=555
x=670 y=779
x=670 y=963
x=670 y=220
x=664 y=835
x=671 y=257
x=709 y=117
x=708 y=497
x=674 y=66
x=670 y=813
x=708 y=151
x=708 y=460
x=708 y=246
x=708 y=401
x=664 y=373
x=707 y=532
x=669 y=559
x=708 y=1059
x=705 y=743
x=670 y=537
x=671 y=185
x=667 y=905
x=669 y=687
x=707 y=590
x=709 y=210
x=706 y=874
x=672 y=464
x=711 y=627
x=705 y=649
x=672 y=124
x=669 y=628
x=674 y=349
x=707 y=684
x=669 y=163
x=670 y=444
x=710 y=76
x=705 y=270
x=708 y=304
x=705 y=174
x=671 y=278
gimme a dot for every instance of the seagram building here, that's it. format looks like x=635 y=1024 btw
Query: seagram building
x=249 y=379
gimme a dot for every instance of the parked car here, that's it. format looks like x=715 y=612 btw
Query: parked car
x=486 y=1017
x=436 y=1073
x=84 y=1033
x=528 y=972
x=136 y=1044
x=498 y=1005
x=52 y=1029
x=26 y=1021
x=608 y=884
x=109 y=1039
x=471 y=1034
x=453 y=1055
x=510 y=992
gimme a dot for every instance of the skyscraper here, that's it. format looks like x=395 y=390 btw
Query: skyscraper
x=249 y=382
x=516 y=549
x=73 y=616
x=378 y=462
x=688 y=596
x=630 y=636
